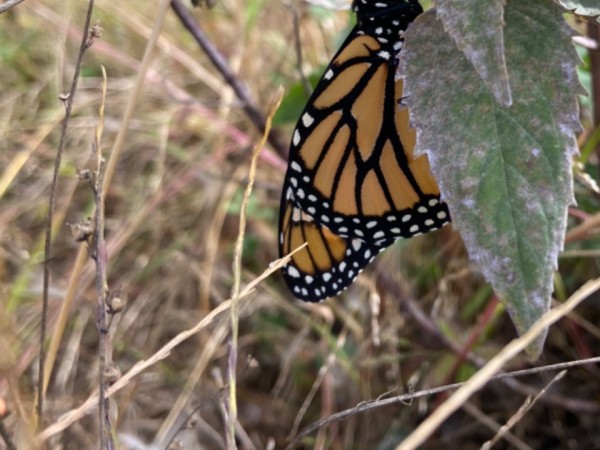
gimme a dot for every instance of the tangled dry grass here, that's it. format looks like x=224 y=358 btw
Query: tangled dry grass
x=421 y=318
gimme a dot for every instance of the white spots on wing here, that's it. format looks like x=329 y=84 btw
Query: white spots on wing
x=293 y=272
x=295 y=166
x=296 y=138
x=307 y=120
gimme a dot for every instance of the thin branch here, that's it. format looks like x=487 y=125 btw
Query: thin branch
x=6 y=436
x=237 y=274
x=9 y=4
x=241 y=91
x=390 y=285
x=101 y=260
x=111 y=165
x=86 y=41
x=378 y=403
x=477 y=381
x=525 y=407
x=298 y=48
x=86 y=407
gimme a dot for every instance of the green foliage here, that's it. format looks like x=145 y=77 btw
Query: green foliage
x=503 y=167
x=294 y=101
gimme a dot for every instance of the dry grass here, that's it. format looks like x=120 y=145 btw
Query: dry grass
x=421 y=318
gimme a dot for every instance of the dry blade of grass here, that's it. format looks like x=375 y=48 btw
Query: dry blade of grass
x=110 y=169
x=101 y=259
x=478 y=380
x=494 y=426
x=410 y=396
x=86 y=42
x=86 y=407
x=526 y=406
x=237 y=274
x=9 y=4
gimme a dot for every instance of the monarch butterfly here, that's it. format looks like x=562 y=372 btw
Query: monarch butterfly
x=352 y=186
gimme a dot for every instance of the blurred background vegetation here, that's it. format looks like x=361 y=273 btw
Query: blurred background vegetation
x=420 y=318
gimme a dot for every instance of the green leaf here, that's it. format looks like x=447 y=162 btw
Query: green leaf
x=504 y=171
x=476 y=27
x=583 y=7
x=295 y=100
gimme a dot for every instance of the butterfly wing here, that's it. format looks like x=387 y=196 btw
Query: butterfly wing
x=352 y=177
x=327 y=264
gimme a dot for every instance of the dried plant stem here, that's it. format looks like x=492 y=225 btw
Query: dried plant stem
x=494 y=426
x=6 y=436
x=237 y=275
x=86 y=407
x=248 y=105
x=85 y=43
x=526 y=406
x=431 y=328
x=101 y=260
x=110 y=169
x=477 y=381
x=9 y=4
x=404 y=398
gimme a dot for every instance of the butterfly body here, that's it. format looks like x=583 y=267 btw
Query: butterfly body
x=353 y=187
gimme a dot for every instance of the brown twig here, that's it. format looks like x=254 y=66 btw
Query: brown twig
x=101 y=260
x=298 y=48
x=9 y=4
x=85 y=44
x=241 y=91
x=6 y=436
x=510 y=349
x=74 y=415
x=525 y=407
x=378 y=403
x=428 y=325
